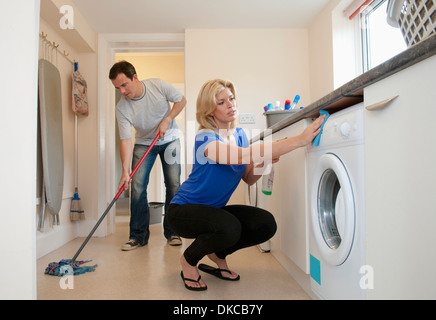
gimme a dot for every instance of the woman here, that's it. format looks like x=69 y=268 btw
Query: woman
x=222 y=158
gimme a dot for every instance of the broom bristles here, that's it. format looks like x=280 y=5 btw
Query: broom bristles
x=76 y=211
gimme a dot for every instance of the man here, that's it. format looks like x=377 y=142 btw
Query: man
x=145 y=106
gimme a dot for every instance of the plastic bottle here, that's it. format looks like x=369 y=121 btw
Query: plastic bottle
x=268 y=179
x=277 y=106
x=270 y=107
x=294 y=103
x=287 y=104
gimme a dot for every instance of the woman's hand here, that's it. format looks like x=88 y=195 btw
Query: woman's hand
x=255 y=172
x=307 y=136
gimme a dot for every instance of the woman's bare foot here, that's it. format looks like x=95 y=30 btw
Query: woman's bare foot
x=222 y=264
x=190 y=272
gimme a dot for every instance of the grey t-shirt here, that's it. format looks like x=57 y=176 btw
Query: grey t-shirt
x=147 y=112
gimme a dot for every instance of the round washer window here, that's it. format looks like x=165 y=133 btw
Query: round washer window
x=333 y=210
x=328 y=203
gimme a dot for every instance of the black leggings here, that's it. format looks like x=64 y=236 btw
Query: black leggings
x=219 y=230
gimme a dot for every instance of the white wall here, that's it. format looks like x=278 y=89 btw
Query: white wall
x=264 y=64
x=321 y=53
x=333 y=49
x=19 y=25
x=53 y=237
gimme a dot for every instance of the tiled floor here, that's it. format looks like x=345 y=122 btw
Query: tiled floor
x=153 y=272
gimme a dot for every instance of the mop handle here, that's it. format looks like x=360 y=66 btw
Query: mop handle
x=114 y=199
x=121 y=190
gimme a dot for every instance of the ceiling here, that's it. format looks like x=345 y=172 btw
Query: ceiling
x=174 y=16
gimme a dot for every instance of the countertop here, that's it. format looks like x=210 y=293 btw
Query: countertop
x=352 y=92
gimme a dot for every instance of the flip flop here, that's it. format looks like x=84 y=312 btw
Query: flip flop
x=196 y=281
x=216 y=272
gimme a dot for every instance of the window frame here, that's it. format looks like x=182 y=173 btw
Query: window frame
x=365 y=32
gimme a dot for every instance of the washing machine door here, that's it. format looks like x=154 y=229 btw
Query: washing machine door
x=332 y=209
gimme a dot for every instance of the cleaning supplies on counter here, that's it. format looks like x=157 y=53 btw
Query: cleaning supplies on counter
x=294 y=103
x=277 y=113
x=287 y=104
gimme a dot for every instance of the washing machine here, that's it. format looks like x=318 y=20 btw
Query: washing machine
x=337 y=207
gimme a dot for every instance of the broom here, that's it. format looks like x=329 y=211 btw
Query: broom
x=76 y=211
x=72 y=266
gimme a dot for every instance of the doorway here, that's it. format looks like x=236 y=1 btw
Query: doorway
x=168 y=66
x=108 y=46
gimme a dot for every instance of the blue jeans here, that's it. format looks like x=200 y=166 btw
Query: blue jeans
x=169 y=154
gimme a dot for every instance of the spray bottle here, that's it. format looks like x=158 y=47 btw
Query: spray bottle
x=268 y=178
x=294 y=103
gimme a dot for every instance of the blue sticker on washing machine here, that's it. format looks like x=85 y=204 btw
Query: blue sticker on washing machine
x=315 y=269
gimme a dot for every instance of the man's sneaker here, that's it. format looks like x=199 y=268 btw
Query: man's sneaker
x=130 y=245
x=174 y=241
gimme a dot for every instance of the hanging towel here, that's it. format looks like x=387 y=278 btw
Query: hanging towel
x=80 y=98
x=64 y=267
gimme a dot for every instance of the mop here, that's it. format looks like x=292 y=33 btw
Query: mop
x=68 y=267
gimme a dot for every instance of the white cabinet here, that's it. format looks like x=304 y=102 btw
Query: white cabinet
x=288 y=201
x=400 y=175
x=272 y=203
x=294 y=215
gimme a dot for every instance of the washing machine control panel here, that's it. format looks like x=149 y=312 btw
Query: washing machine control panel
x=343 y=126
x=345 y=129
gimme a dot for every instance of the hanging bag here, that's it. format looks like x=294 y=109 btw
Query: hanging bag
x=80 y=99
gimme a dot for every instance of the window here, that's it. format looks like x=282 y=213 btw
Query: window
x=380 y=41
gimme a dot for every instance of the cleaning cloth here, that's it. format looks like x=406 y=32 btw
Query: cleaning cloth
x=317 y=139
x=65 y=267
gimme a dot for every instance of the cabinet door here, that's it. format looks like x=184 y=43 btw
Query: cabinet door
x=400 y=173
x=294 y=218
x=272 y=202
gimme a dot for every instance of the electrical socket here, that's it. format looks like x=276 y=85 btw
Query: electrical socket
x=247 y=118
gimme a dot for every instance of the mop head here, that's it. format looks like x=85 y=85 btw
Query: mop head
x=65 y=267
